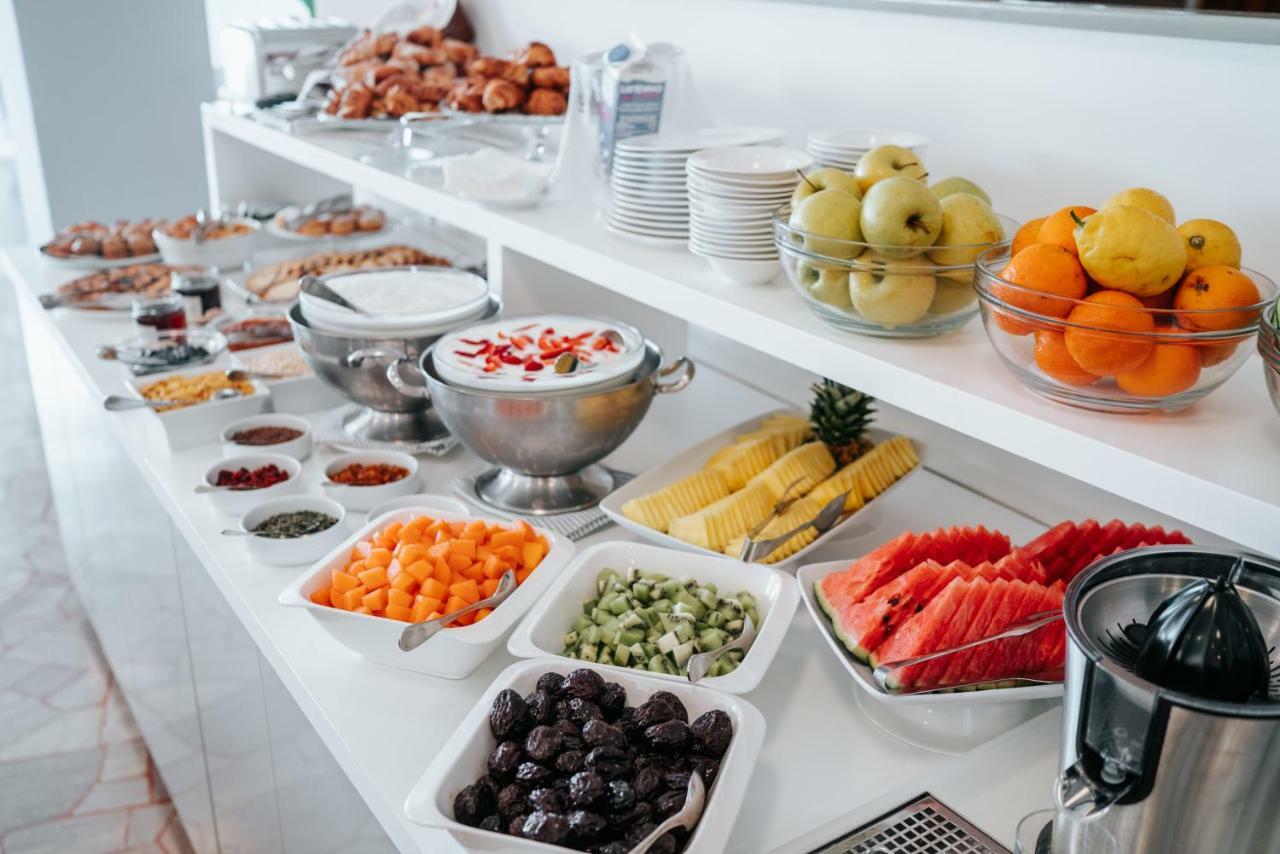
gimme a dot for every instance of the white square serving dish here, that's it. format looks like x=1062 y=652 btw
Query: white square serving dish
x=453 y=653
x=951 y=723
x=201 y=423
x=462 y=759
x=541 y=633
x=292 y=395
x=859 y=522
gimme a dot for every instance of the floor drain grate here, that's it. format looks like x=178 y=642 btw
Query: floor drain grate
x=923 y=826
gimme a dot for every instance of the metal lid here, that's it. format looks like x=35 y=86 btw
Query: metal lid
x=1130 y=585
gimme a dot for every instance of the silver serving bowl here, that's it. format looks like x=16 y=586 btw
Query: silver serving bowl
x=546 y=448
x=359 y=368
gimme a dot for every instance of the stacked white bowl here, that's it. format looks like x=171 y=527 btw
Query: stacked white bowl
x=649 y=201
x=843 y=148
x=733 y=193
x=398 y=302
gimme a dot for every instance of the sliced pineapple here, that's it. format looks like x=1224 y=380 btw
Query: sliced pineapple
x=882 y=466
x=845 y=482
x=742 y=461
x=713 y=526
x=801 y=469
x=685 y=496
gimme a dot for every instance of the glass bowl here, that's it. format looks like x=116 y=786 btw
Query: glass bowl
x=1269 y=348
x=880 y=290
x=1034 y=345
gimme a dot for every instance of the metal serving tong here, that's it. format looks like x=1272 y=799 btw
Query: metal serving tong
x=1032 y=622
x=754 y=550
x=340 y=203
x=417 y=634
x=700 y=663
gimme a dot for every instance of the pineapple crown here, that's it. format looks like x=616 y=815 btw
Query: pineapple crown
x=840 y=415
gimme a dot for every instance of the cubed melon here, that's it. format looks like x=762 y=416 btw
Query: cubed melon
x=420 y=570
x=434 y=588
x=351 y=599
x=404 y=581
x=399 y=597
x=321 y=597
x=468 y=591
x=399 y=612
x=372 y=578
x=343 y=582
x=378 y=557
x=533 y=552
x=376 y=600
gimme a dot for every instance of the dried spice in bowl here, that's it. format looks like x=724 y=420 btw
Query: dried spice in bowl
x=268 y=434
x=375 y=474
x=298 y=523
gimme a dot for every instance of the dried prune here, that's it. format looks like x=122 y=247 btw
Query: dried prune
x=638 y=832
x=612 y=700
x=712 y=732
x=647 y=783
x=532 y=773
x=541 y=707
x=491 y=823
x=549 y=683
x=509 y=717
x=654 y=712
x=585 y=827
x=545 y=827
x=585 y=789
x=668 y=804
x=682 y=714
x=619 y=795
x=568 y=728
x=511 y=800
x=542 y=744
x=473 y=803
x=669 y=735
x=665 y=844
x=561 y=711
x=581 y=711
x=504 y=760
x=615 y=847
x=547 y=800
x=597 y=733
x=582 y=683
x=707 y=769
x=632 y=814
x=677 y=781
x=570 y=762
x=515 y=827
x=609 y=762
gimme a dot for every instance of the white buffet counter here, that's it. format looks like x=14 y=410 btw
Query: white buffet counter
x=217 y=672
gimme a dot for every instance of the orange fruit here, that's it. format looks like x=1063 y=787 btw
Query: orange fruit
x=1029 y=233
x=1097 y=351
x=1060 y=227
x=1171 y=368
x=1213 y=352
x=1163 y=299
x=1054 y=360
x=1043 y=267
x=1218 y=287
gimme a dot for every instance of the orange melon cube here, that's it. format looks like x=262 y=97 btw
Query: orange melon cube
x=361 y=550
x=475 y=572
x=442 y=573
x=511 y=554
x=468 y=591
x=504 y=539
x=420 y=570
x=435 y=527
x=343 y=582
x=434 y=588
x=493 y=567
x=411 y=553
x=419 y=611
x=488 y=587
x=475 y=532
x=483 y=551
x=523 y=574
x=410 y=535
x=399 y=612
x=533 y=553
x=438 y=551
x=362 y=610
x=393 y=530
x=378 y=557
x=432 y=603
x=377 y=599
x=434 y=615
x=404 y=582
x=354 y=567
x=456 y=528
x=482 y=613
x=526 y=530
x=465 y=620
x=371 y=578
x=321 y=597
x=454 y=603
x=458 y=562
x=399 y=597
x=351 y=599
x=463 y=546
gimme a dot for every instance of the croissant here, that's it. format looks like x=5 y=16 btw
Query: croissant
x=399 y=101
x=385 y=43
x=355 y=102
x=517 y=74
x=546 y=102
x=554 y=77
x=467 y=95
x=425 y=36
x=502 y=95
x=359 y=50
x=536 y=55
x=488 y=66
x=459 y=51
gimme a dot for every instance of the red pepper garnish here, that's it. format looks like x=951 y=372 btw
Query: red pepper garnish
x=473 y=343
x=532 y=365
x=548 y=331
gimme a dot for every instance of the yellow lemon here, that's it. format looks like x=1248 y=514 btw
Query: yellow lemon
x=1209 y=243
x=1130 y=249
x=1147 y=199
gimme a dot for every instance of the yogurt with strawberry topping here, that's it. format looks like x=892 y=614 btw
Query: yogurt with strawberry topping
x=539 y=353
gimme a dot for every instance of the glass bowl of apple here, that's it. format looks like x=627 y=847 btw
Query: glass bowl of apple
x=1112 y=350
x=895 y=259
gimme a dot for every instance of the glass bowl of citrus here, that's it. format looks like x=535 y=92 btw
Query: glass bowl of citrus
x=1073 y=341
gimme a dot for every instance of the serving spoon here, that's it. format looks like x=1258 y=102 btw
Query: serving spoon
x=312 y=286
x=698 y=664
x=417 y=634
x=695 y=799
x=119 y=403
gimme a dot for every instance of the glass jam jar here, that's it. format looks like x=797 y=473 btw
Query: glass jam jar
x=200 y=292
x=161 y=313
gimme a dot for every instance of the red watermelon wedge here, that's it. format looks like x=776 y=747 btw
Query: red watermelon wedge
x=959 y=663
x=957 y=627
x=920 y=632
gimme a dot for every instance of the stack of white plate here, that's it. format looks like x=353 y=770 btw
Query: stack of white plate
x=733 y=193
x=649 y=200
x=398 y=302
x=843 y=148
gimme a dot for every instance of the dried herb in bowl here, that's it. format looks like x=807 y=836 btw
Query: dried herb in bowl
x=299 y=523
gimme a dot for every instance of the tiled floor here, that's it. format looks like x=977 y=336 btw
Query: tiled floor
x=74 y=773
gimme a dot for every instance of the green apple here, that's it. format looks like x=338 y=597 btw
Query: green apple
x=825 y=179
x=826 y=284
x=947 y=186
x=888 y=161
x=900 y=217
x=968 y=224
x=892 y=300
x=952 y=294
x=831 y=214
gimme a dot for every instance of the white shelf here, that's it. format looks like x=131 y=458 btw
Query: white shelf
x=816 y=731
x=1211 y=466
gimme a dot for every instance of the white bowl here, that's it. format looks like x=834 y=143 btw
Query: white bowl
x=945 y=723
x=540 y=634
x=224 y=253
x=649 y=145
x=744 y=271
x=422 y=501
x=453 y=653
x=746 y=160
x=836 y=140
x=299 y=448
x=201 y=423
x=367 y=497
x=462 y=759
x=234 y=502
x=298 y=549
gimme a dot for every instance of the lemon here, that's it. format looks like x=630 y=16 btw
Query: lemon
x=1130 y=249
x=1148 y=200
x=1209 y=243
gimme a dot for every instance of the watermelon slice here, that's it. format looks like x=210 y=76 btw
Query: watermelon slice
x=864 y=626
x=1067 y=549
x=978 y=628
x=989 y=659
x=919 y=634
